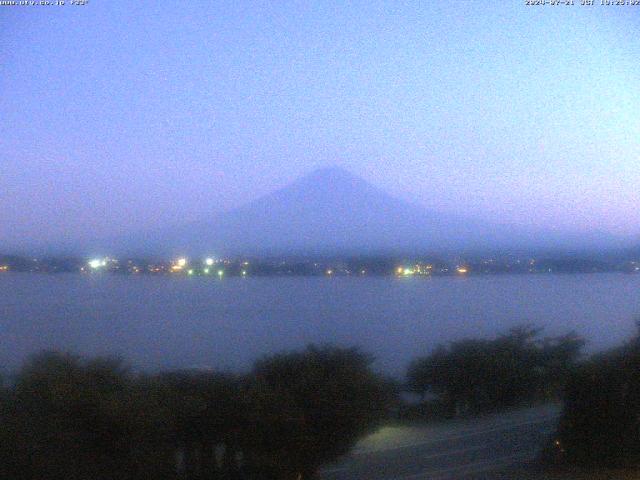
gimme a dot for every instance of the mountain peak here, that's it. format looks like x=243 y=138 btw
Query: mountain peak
x=330 y=178
x=329 y=175
x=329 y=210
x=331 y=172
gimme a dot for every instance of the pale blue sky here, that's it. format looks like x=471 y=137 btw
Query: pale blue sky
x=122 y=115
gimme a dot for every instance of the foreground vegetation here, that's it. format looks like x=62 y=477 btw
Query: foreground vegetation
x=474 y=376
x=65 y=417
x=600 y=421
x=599 y=427
x=74 y=419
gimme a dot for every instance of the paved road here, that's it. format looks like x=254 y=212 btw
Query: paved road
x=457 y=450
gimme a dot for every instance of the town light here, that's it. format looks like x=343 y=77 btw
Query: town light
x=96 y=263
x=209 y=261
x=182 y=262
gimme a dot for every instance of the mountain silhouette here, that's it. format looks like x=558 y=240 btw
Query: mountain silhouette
x=328 y=211
x=331 y=211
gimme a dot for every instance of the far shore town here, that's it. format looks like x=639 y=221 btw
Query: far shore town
x=410 y=266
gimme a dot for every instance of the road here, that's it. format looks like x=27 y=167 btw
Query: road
x=470 y=449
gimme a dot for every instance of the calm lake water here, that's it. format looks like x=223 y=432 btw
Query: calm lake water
x=166 y=322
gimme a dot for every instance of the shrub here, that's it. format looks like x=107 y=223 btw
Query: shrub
x=477 y=375
x=600 y=421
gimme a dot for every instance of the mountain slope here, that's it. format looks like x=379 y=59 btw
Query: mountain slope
x=328 y=211
x=331 y=211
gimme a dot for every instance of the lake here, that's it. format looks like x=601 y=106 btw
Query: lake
x=169 y=322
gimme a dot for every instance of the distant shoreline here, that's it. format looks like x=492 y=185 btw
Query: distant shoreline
x=300 y=275
x=352 y=266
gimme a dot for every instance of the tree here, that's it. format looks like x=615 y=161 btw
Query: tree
x=207 y=414
x=310 y=407
x=482 y=375
x=69 y=419
x=600 y=420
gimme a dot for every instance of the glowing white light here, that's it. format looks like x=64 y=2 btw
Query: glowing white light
x=209 y=261
x=206 y=271
x=96 y=263
x=220 y=273
x=182 y=262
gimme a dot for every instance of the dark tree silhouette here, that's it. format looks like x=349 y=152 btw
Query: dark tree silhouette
x=311 y=407
x=477 y=375
x=600 y=421
x=207 y=412
x=69 y=419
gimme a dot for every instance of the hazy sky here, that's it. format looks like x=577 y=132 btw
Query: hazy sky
x=122 y=115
